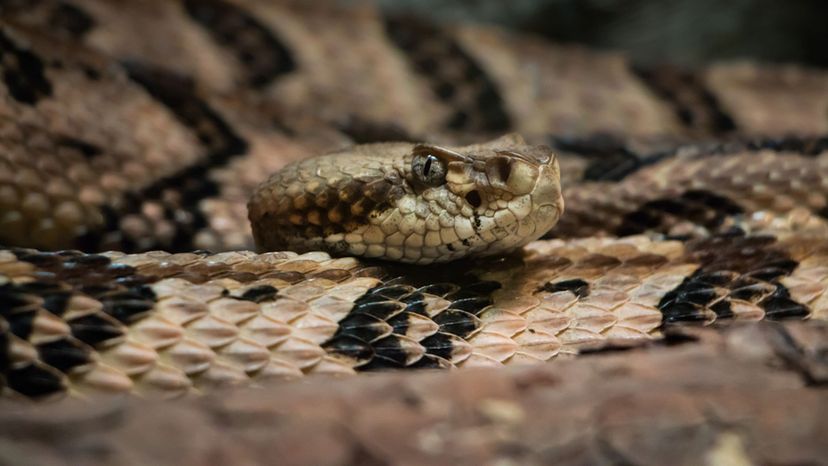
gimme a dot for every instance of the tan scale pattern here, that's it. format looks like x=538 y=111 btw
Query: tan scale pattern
x=193 y=333
x=202 y=329
x=776 y=182
x=571 y=90
x=756 y=97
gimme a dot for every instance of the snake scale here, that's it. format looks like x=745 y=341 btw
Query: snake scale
x=134 y=133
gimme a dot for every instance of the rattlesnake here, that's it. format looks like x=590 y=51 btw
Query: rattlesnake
x=118 y=140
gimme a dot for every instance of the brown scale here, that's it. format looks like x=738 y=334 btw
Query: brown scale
x=262 y=56
x=773 y=100
x=53 y=331
x=454 y=76
x=338 y=53
x=696 y=189
x=568 y=91
x=75 y=171
x=119 y=31
x=737 y=272
x=168 y=324
x=60 y=18
x=142 y=201
x=680 y=215
x=696 y=107
x=322 y=210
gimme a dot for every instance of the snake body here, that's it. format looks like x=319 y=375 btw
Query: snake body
x=126 y=156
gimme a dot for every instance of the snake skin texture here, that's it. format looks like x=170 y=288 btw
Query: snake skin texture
x=417 y=204
x=133 y=134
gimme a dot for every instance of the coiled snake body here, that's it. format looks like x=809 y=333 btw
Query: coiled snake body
x=656 y=232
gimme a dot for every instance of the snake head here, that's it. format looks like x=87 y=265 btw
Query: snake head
x=500 y=195
x=411 y=203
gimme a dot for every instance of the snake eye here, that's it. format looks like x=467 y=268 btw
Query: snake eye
x=429 y=169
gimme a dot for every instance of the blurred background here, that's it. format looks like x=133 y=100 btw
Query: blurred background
x=680 y=32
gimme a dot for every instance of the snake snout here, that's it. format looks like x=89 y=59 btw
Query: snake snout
x=514 y=172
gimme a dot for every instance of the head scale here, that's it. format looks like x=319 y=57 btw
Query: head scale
x=438 y=203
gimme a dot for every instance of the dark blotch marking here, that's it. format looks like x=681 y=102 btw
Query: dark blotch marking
x=367 y=299
x=64 y=354
x=21 y=324
x=94 y=329
x=722 y=309
x=71 y=19
x=439 y=289
x=476 y=222
x=127 y=311
x=396 y=298
x=350 y=347
x=23 y=73
x=439 y=344
x=381 y=310
x=473 y=305
x=434 y=54
x=779 y=305
x=86 y=261
x=390 y=350
x=429 y=361
x=179 y=193
x=748 y=267
x=694 y=104
x=56 y=302
x=88 y=150
x=39 y=259
x=612 y=159
x=415 y=303
x=483 y=287
x=609 y=156
x=392 y=291
x=578 y=287
x=682 y=311
x=750 y=292
x=179 y=94
x=457 y=322
x=363 y=131
x=400 y=322
x=35 y=381
x=703 y=208
x=260 y=294
x=262 y=56
x=364 y=327
x=5 y=349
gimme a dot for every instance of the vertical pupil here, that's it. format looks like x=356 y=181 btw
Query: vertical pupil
x=427 y=166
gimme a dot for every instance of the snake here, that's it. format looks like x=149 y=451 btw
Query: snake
x=247 y=217
x=420 y=204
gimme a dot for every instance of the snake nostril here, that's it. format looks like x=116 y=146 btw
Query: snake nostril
x=473 y=198
x=504 y=168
